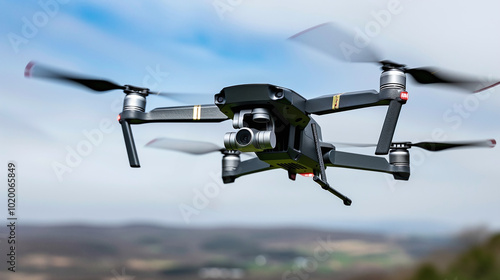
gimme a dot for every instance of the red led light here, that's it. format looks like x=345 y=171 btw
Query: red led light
x=27 y=70
x=403 y=95
x=307 y=174
x=493 y=143
x=119 y=117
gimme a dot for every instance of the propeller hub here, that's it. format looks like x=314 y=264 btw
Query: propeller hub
x=401 y=145
x=388 y=65
x=133 y=89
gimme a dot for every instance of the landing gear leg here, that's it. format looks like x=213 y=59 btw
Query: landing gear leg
x=321 y=179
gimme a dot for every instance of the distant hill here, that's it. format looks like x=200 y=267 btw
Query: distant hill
x=155 y=252
x=479 y=262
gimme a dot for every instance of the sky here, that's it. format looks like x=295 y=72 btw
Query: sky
x=203 y=46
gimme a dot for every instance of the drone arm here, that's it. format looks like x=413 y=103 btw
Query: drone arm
x=364 y=162
x=361 y=99
x=129 y=144
x=344 y=102
x=246 y=167
x=197 y=113
x=389 y=126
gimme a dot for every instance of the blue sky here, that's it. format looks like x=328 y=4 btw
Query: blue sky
x=193 y=47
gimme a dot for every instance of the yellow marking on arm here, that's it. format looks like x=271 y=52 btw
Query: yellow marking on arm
x=336 y=101
x=196 y=112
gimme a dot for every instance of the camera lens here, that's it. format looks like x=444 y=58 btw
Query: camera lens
x=244 y=137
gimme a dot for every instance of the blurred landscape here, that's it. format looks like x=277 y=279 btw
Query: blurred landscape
x=154 y=252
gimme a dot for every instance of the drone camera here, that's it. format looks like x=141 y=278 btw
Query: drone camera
x=243 y=137
x=250 y=140
x=256 y=131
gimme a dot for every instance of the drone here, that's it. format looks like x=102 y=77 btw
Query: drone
x=276 y=123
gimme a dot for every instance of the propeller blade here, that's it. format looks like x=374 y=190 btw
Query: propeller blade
x=192 y=98
x=357 y=145
x=186 y=146
x=431 y=146
x=333 y=40
x=430 y=75
x=439 y=146
x=39 y=71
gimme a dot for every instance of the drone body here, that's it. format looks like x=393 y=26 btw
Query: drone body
x=276 y=123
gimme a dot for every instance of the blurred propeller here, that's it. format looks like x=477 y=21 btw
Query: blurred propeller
x=186 y=146
x=356 y=145
x=186 y=97
x=333 y=40
x=40 y=71
x=439 y=146
x=433 y=146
